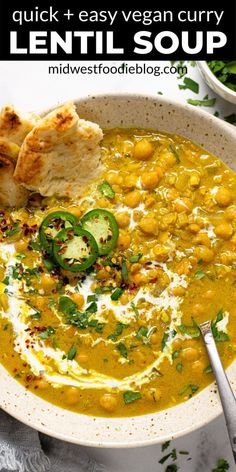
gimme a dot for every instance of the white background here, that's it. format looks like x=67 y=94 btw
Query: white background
x=29 y=87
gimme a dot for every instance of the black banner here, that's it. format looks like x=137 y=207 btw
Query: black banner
x=43 y=30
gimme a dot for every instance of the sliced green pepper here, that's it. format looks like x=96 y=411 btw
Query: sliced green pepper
x=75 y=249
x=103 y=226
x=51 y=225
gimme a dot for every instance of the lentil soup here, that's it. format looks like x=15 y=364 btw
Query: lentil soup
x=113 y=331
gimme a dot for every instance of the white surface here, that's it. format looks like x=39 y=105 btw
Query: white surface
x=28 y=86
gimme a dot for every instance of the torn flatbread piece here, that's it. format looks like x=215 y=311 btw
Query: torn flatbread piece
x=13 y=130
x=60 y=155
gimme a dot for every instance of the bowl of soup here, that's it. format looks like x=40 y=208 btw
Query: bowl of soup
x=101 y=295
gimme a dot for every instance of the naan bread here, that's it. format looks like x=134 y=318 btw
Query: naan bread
x=60 y=155
x=13 y=129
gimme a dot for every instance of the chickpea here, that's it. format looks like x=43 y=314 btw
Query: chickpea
x=113 y=178
x=177 y=344
x=4 y=304
x=209 y=294
x=224 y=230
x=123 y=219
x=149 y=226
x=197 y=367
x=194 y=228
x=178 y=291
x=41 y=384
x=198 y=309
x=204 y=253
x=149 y=202
x=102 y=274
x=190 y=343
x=72 y=396
x=183 y=205
x=153 y=394
x=223 y=197
x=133 y=199
x=161 y=253
x=109 y=402
x=82 y=358
x=154 y=338
x=143 y=150
x=76 y=211
x=47 y=283
x=78 y=299
x=124 y=299
x=137 y=215
x=130 y=181
x=230 y=213
x=190 y=354
x=150 y=180
x=21 y=245
x=124 y=241
x=203 y=238
x=139 y=279
x=194 y=181
x=134 y=268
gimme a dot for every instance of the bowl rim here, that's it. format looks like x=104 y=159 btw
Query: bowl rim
x=203 y=395
x=206 y=69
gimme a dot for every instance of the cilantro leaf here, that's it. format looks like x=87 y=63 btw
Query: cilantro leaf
x=131 y=396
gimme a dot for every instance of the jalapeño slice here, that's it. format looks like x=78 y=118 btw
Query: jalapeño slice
x=75 y=249
x=103 y=226
x=51 y=225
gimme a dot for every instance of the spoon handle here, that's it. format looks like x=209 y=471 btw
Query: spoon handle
x=226 y=394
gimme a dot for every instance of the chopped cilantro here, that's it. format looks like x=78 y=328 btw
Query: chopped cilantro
x=171 y=468
x=208 y=370
x=72 y=353
x=124 y=271
x=225 y=72
x=91 y=298
x=106 y=190
x=117 y=293
x=135 y=258
x=168 y=335
x=192 y=331
x=199 y=274
x=142 y=332
x=190 y=84
x=179 y=367
x=47 y=333
x=175 y=354
x=6 y=280
x=130 y=396
x=165 y=446
x=15 y=229
x=219 y=336
x=35 y=246
x=118 y=331
x=134 y=308
x=231 y=118
x=172 y=455
x=92 y=308
x=174 y=151
x=122 y=350
x=189 y=387
x=67 y=306
x=205 y=103
x=221 y=466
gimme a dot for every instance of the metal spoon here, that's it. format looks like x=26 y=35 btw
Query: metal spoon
x=227 y=397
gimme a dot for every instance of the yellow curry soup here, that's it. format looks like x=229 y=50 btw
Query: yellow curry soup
x=120 y=338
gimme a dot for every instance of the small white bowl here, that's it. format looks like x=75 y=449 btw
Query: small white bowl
x=215 y=84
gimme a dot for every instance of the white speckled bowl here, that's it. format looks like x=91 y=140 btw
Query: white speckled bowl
x=216 y=136
x=215 y=84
